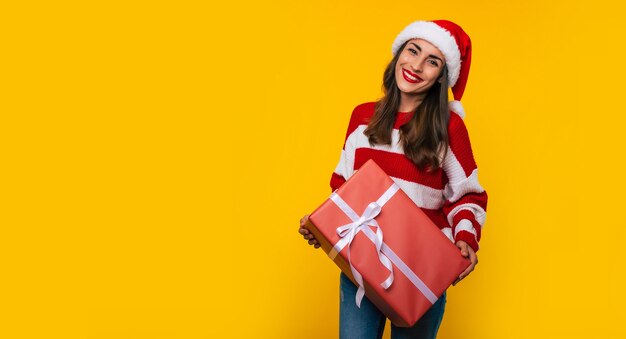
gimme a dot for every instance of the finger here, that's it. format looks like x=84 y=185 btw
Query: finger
x=467 y=271
x=317 y=245
x=304 y=220
x=464 y=250
x=456 y=281
x=473 y=257
x=312 y=242
x=304 y=231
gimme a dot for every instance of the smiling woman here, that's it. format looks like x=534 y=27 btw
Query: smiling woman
x=420 y=140
x=426 y=137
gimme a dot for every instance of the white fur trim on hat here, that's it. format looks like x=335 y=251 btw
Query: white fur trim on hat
x=437 y=36
x=456 y=107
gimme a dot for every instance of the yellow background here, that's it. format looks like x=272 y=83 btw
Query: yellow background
x=156 y=158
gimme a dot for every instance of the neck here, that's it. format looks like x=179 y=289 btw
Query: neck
x=408 y=103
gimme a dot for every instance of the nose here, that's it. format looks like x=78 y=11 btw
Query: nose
x=416 y=65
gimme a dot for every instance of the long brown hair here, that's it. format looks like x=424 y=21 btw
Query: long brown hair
x=425 y=136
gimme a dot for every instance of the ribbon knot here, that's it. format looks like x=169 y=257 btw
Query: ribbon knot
x=371 y=212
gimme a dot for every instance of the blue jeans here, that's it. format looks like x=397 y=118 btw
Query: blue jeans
x=368 y=322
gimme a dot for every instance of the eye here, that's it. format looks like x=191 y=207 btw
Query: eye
x=434 y=63
x=412 y=51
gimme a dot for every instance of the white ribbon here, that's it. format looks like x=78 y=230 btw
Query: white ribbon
x=360 y=223
x=385 y=254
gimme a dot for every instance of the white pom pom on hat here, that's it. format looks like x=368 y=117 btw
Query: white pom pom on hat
x=454 y=44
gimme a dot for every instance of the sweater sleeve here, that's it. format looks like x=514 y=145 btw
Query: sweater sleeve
x=465 y=203
x=345 y=166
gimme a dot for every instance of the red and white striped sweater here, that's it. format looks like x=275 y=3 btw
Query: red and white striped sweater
x=451 y=195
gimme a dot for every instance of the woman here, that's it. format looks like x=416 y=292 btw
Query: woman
x=420 y=140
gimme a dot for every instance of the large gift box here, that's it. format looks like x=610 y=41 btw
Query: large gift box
x=387 y=245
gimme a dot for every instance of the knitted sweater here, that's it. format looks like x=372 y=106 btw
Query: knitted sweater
x=451 y=195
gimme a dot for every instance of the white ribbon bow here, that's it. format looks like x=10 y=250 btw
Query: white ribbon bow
x=360 y=223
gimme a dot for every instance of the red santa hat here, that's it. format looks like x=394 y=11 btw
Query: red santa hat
x=454 y=44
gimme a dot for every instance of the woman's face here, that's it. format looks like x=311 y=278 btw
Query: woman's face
x=418 y=67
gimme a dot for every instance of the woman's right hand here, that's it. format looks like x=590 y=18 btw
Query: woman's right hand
x=307 y=235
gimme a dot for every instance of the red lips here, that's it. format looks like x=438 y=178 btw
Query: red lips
x=404 y=74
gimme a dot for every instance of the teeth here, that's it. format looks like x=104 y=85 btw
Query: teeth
x=410 y=76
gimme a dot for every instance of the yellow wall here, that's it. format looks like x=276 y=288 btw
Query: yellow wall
x=157 y=157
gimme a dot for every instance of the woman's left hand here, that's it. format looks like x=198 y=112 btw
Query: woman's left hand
x=466 y=251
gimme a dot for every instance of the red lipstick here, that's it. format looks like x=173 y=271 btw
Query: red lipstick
x=410 y=77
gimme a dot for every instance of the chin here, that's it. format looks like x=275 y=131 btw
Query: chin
x=404 y=86
x=411 y=89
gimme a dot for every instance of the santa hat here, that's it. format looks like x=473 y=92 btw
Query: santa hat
x=454 y=44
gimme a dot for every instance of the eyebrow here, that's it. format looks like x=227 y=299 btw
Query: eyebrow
x=432 y=56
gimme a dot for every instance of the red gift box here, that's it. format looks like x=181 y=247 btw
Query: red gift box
x=386 y=245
